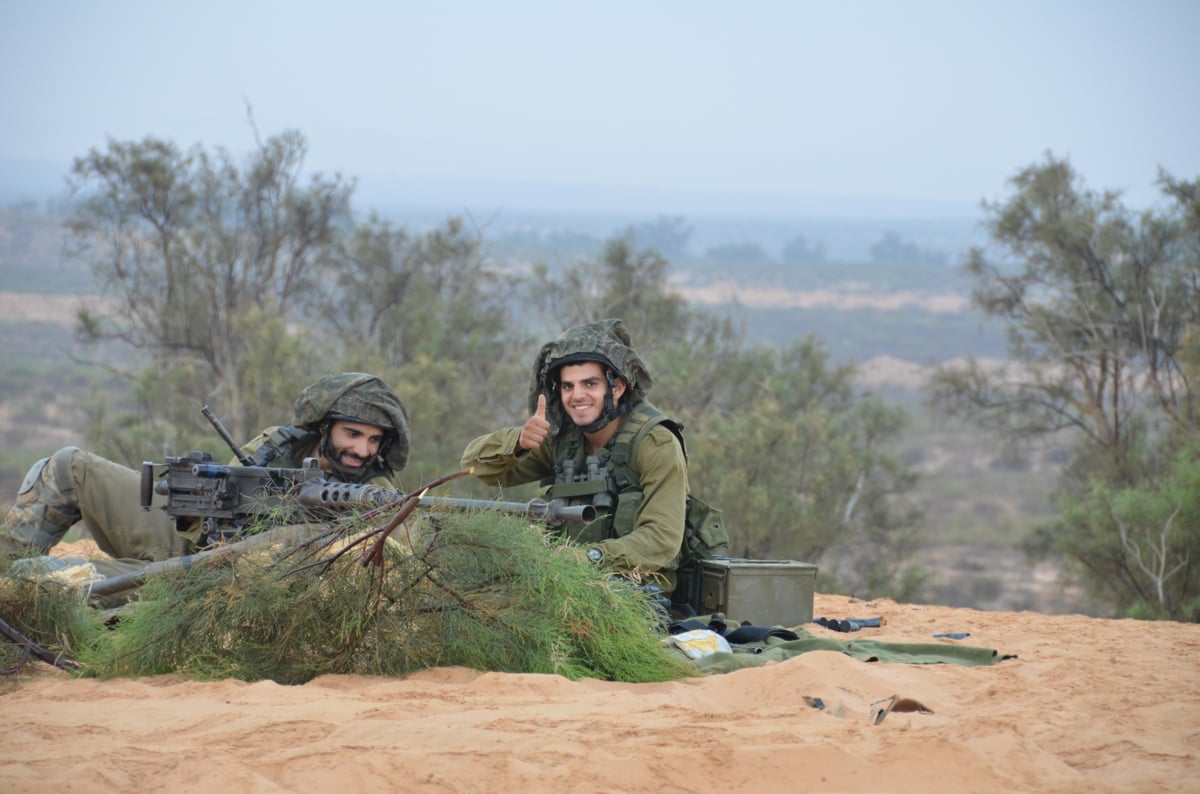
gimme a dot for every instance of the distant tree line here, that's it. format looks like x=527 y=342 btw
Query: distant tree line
x=671 y=237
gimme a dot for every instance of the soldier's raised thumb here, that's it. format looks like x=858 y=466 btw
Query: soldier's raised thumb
x=536 y=428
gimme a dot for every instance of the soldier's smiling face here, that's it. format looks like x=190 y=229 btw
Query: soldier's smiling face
x=582 y=387
x=354 y=443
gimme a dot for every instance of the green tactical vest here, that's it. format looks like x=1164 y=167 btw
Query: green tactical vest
x=609 y=481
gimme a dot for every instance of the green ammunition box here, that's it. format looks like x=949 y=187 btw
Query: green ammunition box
x=764 y=592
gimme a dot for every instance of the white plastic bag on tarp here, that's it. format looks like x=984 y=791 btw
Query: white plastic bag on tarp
x=701 y=642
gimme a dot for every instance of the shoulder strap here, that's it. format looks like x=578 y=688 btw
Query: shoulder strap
x=280 y=441
x=640 y=421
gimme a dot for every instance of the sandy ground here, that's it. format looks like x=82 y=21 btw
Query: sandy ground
x=1088 y=705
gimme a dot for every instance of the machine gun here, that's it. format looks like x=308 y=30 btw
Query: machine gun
x=226 y=499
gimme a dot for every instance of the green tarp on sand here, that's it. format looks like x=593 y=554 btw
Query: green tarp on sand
x=775 y=649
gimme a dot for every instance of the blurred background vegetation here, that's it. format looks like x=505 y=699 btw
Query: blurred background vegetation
x=1038 y=452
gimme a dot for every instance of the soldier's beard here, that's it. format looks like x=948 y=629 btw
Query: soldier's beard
x=344 y=462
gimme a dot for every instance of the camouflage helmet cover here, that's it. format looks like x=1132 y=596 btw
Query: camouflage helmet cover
x=356 y=396
x=604 y=341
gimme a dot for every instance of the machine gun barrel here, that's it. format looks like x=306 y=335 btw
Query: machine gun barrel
x=322 y=493
x=552 y=512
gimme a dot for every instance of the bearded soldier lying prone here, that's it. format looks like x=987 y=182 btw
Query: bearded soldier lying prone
x=352 y=424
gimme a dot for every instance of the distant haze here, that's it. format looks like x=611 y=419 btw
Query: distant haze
x=918 y=108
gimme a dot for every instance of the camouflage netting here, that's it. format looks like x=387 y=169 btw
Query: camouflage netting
x=478 y=589
x=359 y=396
x=606 y=339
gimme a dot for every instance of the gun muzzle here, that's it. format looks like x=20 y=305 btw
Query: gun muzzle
x=326 y=493
x=555 y=512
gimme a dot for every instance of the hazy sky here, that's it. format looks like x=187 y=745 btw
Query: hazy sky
x=940 y=101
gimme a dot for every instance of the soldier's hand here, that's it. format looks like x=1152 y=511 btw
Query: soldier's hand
x=536 y=428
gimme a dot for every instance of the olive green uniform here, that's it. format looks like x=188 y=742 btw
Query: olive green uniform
x=651 y=542
x=643 y=526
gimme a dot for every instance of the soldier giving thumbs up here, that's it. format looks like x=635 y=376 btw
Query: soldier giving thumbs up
x=536 y=428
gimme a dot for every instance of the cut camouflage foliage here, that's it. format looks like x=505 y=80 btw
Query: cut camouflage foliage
x=477 y=589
